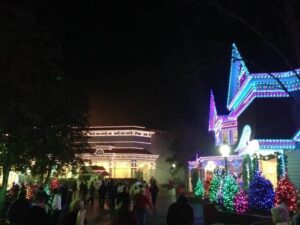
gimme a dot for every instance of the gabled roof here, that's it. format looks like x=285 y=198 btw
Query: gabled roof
x=238 y=73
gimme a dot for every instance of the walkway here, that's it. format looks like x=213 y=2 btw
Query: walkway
x=158 y=217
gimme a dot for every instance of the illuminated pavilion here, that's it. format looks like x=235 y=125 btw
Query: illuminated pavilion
x=250 y=96
x=123 y=151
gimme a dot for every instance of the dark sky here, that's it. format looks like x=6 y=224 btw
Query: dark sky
x=153 y=63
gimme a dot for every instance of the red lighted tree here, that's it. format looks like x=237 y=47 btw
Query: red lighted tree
x=286 y=193
x=207 y=185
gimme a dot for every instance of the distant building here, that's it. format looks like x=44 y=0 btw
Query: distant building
x=123 y=151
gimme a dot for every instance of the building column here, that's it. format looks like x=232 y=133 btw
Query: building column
x=190 y=180
x=111 y=169
x=133 y=168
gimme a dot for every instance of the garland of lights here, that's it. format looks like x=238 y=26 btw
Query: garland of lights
x=255 y=165
x=230 y=189
x=286 y=193
x=241 y=200
x=281 y=168
x=266 y=157
x=247 y=171
x=261 y=194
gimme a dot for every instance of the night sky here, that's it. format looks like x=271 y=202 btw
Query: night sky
x=153 y=63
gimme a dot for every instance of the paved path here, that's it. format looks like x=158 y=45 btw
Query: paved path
x=165 y=198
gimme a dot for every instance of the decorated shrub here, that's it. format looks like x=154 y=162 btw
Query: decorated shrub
x=286 y=193
x=230 y=189
x=240 y=202
x=261 y=194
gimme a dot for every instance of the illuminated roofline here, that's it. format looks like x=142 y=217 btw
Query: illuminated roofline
x=115 y=127
x=117 y=133
x=121 y=156
x=119 y=142
x=217 y=157
x=297 y=136
x=234 y=53
x=262 y=86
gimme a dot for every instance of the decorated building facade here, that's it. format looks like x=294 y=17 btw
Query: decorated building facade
x=121 y=151
x=262 y=120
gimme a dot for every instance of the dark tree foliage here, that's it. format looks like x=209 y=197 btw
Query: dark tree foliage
x=255 y=165
x=247 y=171
x=195 y=178
x=39 y=109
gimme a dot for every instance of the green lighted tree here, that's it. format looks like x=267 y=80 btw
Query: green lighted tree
x=213 y=189
x=215 y=184
x=199 y=189
x=230 y=189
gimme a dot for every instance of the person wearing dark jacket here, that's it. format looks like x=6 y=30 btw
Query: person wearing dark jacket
x=92 y=193
x=36 y=214
x=154 y=191
x=180 y=212
x=121 y=196
x=17 y=209
x=102 y=193
x=124 y=215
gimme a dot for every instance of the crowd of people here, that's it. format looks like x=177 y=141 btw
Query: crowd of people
x=67 y=204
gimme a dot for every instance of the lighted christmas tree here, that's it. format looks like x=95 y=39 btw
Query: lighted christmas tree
x=215 y=184
x=213 y=189
x=207 y=185
x=286 y=193
x=199 y=189
x=260 y=193
x=240 y=202
x=230 y=189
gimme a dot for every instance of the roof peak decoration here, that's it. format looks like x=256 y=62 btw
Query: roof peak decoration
x=212 y=112
x=238 y=73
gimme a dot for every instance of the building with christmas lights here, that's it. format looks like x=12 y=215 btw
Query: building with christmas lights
x=121 y=151
x=261 y=120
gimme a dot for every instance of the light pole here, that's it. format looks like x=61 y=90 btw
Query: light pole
x=225 y=152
